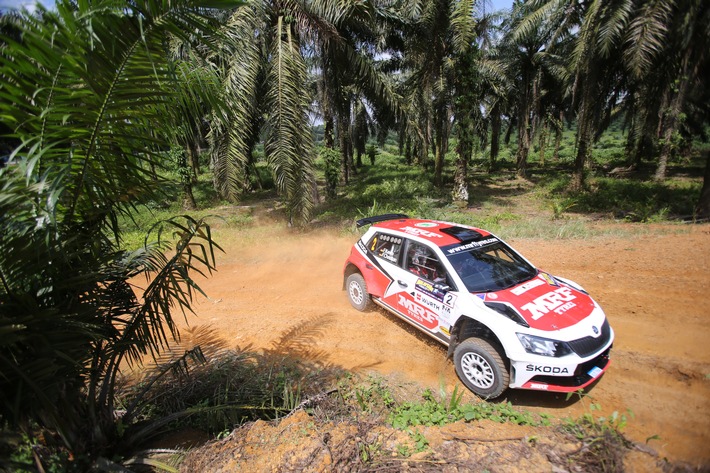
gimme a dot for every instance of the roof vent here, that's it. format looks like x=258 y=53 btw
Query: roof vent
x=462 y=234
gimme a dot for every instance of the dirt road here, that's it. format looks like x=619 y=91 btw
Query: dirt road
x=654 y=289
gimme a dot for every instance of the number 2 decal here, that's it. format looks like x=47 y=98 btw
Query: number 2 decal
x=450 y=299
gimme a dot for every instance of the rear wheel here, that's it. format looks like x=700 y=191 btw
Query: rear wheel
x=481 y=368
x=357 y=292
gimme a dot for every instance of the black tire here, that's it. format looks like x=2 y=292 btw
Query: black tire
x=358 y=296
x=480 y=366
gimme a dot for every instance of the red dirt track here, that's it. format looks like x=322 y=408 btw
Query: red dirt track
x=654 y=289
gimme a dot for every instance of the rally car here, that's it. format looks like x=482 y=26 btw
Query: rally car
x=506 y=323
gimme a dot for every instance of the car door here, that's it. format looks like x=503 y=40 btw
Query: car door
x=418 y=289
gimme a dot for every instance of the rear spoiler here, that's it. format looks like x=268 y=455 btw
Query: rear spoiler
x=379 y=218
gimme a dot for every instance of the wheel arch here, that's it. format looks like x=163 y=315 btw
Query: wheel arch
x=466 y=327
x=349 y=269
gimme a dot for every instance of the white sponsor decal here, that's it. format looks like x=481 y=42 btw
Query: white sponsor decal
x=547 y=369
x=527 y=286
x=445 y=316
x=426 y=224
x=388 y=254
x=420 y=232
x=426 y=301
x=416 y=311
x=539 y=386
x=557 y=300
x=473 y=244
x=390 y=238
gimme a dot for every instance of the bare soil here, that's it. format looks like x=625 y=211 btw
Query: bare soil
x=654 y=287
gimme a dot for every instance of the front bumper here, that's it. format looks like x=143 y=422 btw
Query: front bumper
x=560 y=378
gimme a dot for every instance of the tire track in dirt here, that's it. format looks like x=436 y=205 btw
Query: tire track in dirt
x=654 y=289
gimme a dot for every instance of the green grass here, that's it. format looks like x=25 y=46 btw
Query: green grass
x=539 y=207
x=210 y=206
x=431 y=411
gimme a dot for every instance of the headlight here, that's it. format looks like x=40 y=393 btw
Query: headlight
x=543 y=346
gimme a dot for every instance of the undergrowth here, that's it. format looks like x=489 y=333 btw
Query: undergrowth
x=603 y=444
x=432 y=411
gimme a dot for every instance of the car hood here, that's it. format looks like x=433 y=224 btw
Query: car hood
x=545 y=302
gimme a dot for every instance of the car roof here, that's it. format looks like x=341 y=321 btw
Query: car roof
x=437 y=232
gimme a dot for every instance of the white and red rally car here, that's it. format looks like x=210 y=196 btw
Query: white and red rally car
x=506 y=323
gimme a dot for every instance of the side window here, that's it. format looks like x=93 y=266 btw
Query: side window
x=422 y=261
x=387 y=247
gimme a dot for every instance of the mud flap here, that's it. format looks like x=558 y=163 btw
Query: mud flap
x=453 y=341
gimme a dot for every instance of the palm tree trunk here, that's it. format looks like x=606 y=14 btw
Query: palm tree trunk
x=401 y=138
x=194 y=160
x=521 y=156
x=424 y=148
x=464 y=148
x=344 y=139
x=585 y=135
x=188 y=198
x=408 y=151
x=671 y=122
x=439 y=157
x=508 y=132
x=543 y=143
x=583 y=151
x=524 y=126
x=328 y=133
x=460 y=191
x=495 y=135
x=702 y=210
x=558 y=136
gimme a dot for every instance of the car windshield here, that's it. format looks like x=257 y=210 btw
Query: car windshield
x=489 y=267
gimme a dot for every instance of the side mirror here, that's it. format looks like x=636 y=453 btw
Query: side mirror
x=442 y=288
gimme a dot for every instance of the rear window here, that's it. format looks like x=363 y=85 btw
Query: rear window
x=385 y=246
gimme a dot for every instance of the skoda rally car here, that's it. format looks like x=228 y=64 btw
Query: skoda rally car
x=505 y=322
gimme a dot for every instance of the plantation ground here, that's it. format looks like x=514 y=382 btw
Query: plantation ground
x=654 y=286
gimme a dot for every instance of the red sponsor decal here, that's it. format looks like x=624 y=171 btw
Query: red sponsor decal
x=547 y=307
x=412 y=310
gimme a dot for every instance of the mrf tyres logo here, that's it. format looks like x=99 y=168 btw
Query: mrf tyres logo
x=557 y=301
x=420 y=232
x=418 y=313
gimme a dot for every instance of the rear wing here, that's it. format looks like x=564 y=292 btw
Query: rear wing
x=378 y=218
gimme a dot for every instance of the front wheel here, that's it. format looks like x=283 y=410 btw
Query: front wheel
x=357 y=292
x=480 y=367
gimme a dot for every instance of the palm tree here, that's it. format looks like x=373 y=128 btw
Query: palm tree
x=535 y=59
x=595 y=61
x=85 y=92
x=681 y=53
x=267 y=76
x=440 y=52
x=525 y=73
x=428 y=54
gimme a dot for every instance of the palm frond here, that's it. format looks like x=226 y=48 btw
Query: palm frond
x=462 y=25
x=613 y=25
x=646 y=34
x=244 y=52
x=288 y=146
x=83 y=89
x=539 y=12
